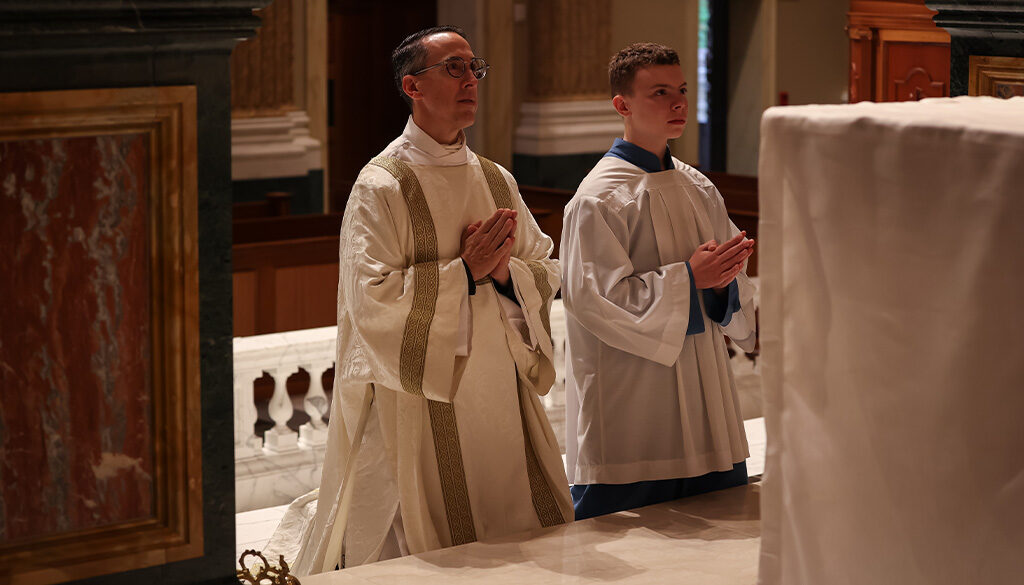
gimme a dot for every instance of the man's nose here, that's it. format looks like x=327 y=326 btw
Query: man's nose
x=468 y=79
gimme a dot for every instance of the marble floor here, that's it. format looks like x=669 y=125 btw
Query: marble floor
x=254 y=528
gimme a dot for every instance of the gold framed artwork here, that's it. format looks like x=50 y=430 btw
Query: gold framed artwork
x=1001 y=77
x=100 y=421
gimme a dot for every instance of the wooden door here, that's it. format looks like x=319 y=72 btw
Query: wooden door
x=897 y=53
x=364 y=109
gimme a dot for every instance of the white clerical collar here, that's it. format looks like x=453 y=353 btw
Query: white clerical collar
x=423 y=149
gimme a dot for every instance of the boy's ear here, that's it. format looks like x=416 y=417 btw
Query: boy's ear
x=620 y=105
x=410 y=88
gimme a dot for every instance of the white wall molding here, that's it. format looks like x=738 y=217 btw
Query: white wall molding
x=273 y=146
x=569 y=127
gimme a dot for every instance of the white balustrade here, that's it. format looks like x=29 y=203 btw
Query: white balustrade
x=287 y=463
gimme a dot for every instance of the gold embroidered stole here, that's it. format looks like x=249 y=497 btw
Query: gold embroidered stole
x=540 y=490
x=413 y=355
x=444 y=426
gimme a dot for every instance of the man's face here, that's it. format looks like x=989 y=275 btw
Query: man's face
x=658 y=104
x=445 y=100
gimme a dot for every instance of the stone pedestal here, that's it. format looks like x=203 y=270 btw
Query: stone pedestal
x=173 y=60
x=279 y=441
x=311 y=436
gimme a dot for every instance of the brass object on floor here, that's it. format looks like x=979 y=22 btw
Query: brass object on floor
x=267 y=574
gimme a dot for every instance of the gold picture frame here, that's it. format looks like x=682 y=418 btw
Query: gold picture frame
x=1001 y=77
x=166 y=116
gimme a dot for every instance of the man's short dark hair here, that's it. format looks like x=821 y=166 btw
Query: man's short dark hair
x=624 y=65
x=411 y=55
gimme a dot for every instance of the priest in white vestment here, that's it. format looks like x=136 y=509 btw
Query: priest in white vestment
x=444 y=343
x=653 y=276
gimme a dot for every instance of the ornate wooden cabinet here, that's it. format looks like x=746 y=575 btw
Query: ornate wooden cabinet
x=897 y=53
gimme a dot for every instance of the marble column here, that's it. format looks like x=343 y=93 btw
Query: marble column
x=567 y=119
x=272 y=146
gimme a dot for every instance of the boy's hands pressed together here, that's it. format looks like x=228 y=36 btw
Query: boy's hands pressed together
x=715 y=266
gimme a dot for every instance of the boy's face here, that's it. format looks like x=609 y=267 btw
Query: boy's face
x=658 y=104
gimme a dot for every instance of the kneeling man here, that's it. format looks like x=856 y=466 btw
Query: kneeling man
x=443 y=342
x=652 y=277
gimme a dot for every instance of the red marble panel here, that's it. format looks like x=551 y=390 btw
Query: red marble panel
x=76 y=447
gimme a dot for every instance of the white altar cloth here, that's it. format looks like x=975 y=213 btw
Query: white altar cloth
x=892 y=271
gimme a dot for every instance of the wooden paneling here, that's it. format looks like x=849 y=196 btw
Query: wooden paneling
x=243 y=296
x=306 y=296
x=285 y=228
x=914 y=66
x=117 y=172
x=896 y=52
x=293 y=284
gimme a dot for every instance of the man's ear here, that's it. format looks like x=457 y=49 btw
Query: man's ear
x=409 y=86
x=621 y=106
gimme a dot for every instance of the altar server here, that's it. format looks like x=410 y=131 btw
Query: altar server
x=437 y=436
x=653 y=278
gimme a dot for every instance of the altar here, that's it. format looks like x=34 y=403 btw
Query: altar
x=710 y=538
x=893 y=356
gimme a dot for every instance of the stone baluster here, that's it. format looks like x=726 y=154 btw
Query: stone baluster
x=280 y=437
x=555 y=398
x=316 y=406
x=247 y=444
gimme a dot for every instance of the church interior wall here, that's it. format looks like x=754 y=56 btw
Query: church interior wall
x=279 y=122
x=746 y=30
x=794 y=46
x=813 y=51
x=673 y=24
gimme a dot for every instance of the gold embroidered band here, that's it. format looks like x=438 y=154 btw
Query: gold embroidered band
x=425 y=276
x=443 y=425
x=496 y=183
x=540 y=279
x=540 y=490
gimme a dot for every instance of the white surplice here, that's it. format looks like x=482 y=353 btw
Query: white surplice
x=644 y=400
x=469 y=357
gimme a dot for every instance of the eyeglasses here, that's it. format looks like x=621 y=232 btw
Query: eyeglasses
x=456 y=67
